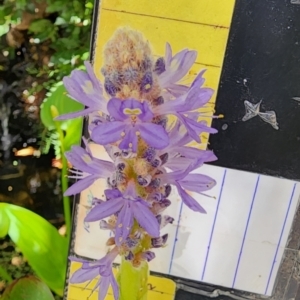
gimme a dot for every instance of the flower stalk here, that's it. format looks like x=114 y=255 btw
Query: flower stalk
x=64 y=175
x=133 y=282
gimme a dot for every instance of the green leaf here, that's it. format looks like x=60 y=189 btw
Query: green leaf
x=27 y=288
x=64 y=105
x=73 y=134
x=89 y=5
x=2 y=17
x=4 y=224
x=54 y=6
x=60 y=21
x=40 y=26
x=41 y=244
x=85 y=55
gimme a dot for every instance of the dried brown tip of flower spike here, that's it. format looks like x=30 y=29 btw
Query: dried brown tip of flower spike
x=128 y=67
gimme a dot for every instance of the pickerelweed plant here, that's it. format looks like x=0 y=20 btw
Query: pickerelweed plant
x=145 y=120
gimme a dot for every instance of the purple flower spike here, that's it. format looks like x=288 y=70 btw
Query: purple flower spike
x=102 y=267
x=131 y=120
x=91 y=169
x=129 y=207
x=176 y=67
x=84 y=88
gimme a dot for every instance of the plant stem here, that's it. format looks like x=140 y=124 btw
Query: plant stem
x=64 y=173
x=66 y=199
x=5 y=275
x=133 y=282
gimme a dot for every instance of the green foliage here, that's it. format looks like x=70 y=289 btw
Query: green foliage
x=43 y=29
x=64 y=29
x=70 y=128
x=66 y=24
x=27 y=288
x=41 y=244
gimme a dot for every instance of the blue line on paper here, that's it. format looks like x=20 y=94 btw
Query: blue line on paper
x=281 y=234
x=213 y=227
x=245 y=233
x=175 y=240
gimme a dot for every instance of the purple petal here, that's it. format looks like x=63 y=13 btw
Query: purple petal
x=191 y=152
x=196 y=98
x=172 y=176
x=77 y=259
x=97 y=84
x=103 y=288
x=178 y=175
x=171 y=106
x=148 y=255
x=86 y=89
x=107 y=133
x=141 y=110
x=199 y=80
x=115 y=109
x=76 y=156
x=177 y=89
x=192 y=133
x=147 y=113
x=168 y=54
x=81 y=185
x=178 y=135
x=145 y=218
x=76 y=114
x=115 y=287
x=197 y=183
x=112 y=194
x=132 y=104
x=73 y=88
x=194 y=128
x=154 y=135
x=189 y=200
x=178 y=163
x=130 y=137
x=104 y=210
x=103 y=167
x=82 y=160
x=130 y=191
x=83 y=275
x=200 y=126
x=196 y=163
x=124 y=224
x=178 y=67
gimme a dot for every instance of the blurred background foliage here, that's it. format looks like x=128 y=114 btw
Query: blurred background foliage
x=40 y=42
